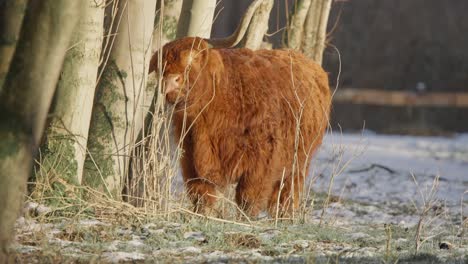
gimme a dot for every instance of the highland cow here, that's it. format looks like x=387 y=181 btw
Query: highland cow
x=251 y=118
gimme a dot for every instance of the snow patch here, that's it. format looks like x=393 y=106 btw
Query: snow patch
x=116 y=257
x=380 y=167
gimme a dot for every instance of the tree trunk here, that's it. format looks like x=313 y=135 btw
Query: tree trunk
x=315 y=29
x=118 y=111
x=165 y=26
x=140 y=186
x=258 y=26
x=64 y=151
x=11 y=18
x=26 y=97
x=296 y=25
x=196 y=18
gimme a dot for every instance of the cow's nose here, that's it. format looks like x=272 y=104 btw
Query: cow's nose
x=172 y=83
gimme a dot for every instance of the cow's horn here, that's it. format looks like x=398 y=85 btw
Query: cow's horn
x=237 y=36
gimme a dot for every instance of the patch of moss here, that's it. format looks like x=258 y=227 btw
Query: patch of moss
x=12 y=133
x=151 y=84
x=106 y=92
x=58 y=168
x=170 y=27
x=103 y=123
x=122 y=74
x=8 y=40
x=60 y=151
x=101 y=163
x=10 y=144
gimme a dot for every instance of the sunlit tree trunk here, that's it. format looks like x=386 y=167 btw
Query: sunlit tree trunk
x=11 y=18
x=196 y=18
x=258 y=26
x=315 y=29
x=165 y=26
x=64 y=151
x=118 y=110
x=26 y=97
x=141 y=183
x=296 y=24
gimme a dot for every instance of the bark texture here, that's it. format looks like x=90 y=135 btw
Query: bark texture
x=196 y=18
x=65 y=149
x=118 y=111
x=165 y=26
x=153 y=157
x=151 y=150
x=296 y=25
x=11 y=18
x=258 y=26
x=315 y=29
x=26 y=97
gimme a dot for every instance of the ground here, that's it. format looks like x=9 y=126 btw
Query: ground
x=388 y=195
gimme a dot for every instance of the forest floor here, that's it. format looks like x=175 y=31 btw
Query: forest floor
x=374 y=199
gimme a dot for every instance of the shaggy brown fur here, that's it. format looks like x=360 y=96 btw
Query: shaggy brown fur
x=243 y=109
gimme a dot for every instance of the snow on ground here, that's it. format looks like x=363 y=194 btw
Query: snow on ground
x=379 y=169
x=373 y=175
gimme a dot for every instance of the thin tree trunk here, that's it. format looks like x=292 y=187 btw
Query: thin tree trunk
x=118 y=116
x=165 y=28
x=258 y=26
x=141 y=178
x=315 y=29
x=296 y=25
x=67 y=134
x=196 y=18
x=11 y=18
x=26 y=97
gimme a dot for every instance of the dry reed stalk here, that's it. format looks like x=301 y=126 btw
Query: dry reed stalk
x=428 y=200
x=463 y=221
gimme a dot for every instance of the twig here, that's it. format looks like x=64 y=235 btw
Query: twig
x=373 y=166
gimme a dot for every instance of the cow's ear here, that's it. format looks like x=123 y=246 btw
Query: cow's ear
x=153 y=63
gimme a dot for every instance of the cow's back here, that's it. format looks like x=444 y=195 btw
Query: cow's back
x=264 y=96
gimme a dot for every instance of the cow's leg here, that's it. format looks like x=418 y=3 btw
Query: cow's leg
x=200 y=191
x=202 y=194
x=207 y=177
x=253 y=192
x=286 y=195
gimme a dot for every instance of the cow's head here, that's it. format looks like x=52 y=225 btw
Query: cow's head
x=185 y=60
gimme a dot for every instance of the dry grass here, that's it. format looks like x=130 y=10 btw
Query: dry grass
x=427 y=210
x=237 y=240
x=463 y=220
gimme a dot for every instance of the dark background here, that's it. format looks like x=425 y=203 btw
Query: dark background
x=391 y=45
